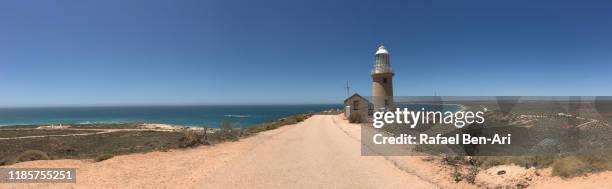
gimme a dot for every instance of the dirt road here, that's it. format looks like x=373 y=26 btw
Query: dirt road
x=314 y=154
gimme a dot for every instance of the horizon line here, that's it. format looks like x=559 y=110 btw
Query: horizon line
x=159 y=105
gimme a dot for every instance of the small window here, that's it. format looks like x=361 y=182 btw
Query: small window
x=384 y=80
x=356 y=105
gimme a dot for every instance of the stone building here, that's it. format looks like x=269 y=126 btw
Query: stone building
x=357 y=104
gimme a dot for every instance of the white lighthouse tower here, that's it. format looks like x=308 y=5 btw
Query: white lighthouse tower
x=382 y=81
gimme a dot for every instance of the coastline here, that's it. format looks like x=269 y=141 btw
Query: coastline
x=80 y=141
x=176 y=115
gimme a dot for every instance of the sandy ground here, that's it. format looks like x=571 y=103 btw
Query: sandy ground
x=321 y=152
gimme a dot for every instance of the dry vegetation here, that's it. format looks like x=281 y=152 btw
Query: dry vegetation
x=356 y=117
x=554 y=140
x=103 y=157
x=90 y=146
x=100 y=147
x=29 y=155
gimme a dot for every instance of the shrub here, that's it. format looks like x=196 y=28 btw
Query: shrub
x=103 y=157
x=30 y=155
x=456 y=175
x=229 y=133
x=355 y=117
x=4 y=161
x=276 y=123
x=189 y=139
x=570 y=166
x=302 y=117
x=452 y=160
x=205 y=139
x=597 y=162
x=471 y=176
x=226 y=126
x=272 y=126
x=524 y=161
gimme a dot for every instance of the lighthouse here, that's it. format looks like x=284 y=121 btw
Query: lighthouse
x=382 y=81
x=382 y=89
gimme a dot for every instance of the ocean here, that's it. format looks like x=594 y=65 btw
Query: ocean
x=194 y=116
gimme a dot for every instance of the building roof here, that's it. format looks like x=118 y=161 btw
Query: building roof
x=356 y=95
x=382 y=50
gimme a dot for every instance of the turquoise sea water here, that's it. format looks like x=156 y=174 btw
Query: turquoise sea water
x=210 y=116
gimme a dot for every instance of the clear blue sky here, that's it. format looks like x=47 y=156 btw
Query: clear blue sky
x=110 y=52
